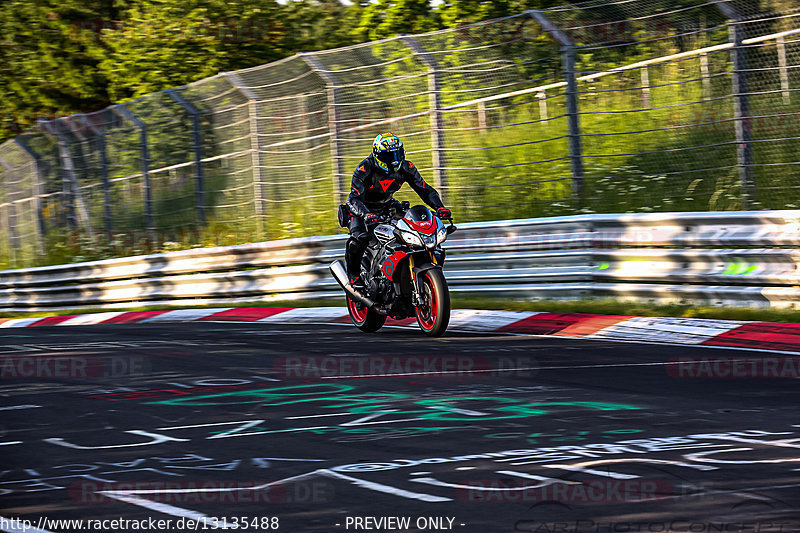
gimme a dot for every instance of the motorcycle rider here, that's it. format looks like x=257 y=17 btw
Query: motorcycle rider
x=375 y=181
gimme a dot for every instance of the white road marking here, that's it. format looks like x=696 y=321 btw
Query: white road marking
x=288 y=459
x=537 y=478
x=518 y=462
x=377 y=414
x=217 y=489
x=20 y=322
x=306 y=314
x=94 y=318
x=580 y=467
x=456 y=410
x=650 y=342
x=436 y=483
x=131 y=496
x=276 y=431
x=181 y=315
x=206 y=425
x=485 y=320
x=785 y=443
x=316 y=416
x=358 y=423
x=16 y=407
x=157 y=439
x=238 y=429
x=163 y=508
x=379 y=487
x=613 y=475
x=700 y=457
x=10 y=443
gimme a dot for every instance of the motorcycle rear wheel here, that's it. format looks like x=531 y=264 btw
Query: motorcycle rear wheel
x=367 y=320
x=433 y=312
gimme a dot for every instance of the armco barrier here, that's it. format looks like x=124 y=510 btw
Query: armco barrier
x=718 y=258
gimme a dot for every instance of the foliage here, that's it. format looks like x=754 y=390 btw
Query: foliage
x=643 y=150
x=163 y=43
x=46 y=69
x=59 y=57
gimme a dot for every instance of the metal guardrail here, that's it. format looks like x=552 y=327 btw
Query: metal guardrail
x=722 y=258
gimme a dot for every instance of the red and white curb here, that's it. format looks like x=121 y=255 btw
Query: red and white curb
x=728 y=333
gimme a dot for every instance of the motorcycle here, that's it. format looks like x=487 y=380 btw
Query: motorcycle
x=402 y=272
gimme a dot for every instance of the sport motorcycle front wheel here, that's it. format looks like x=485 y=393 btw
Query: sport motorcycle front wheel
x=433 y=311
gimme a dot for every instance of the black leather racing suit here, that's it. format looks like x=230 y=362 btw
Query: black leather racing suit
x=372 y=191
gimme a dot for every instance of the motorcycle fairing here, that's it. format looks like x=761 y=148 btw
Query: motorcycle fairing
x=390 y=264
x=424 y=226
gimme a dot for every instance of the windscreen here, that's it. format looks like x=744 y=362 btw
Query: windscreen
x=418 y=213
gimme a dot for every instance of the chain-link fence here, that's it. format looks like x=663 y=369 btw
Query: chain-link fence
x=630 y=105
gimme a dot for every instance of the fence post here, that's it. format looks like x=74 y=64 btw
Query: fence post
x=645 y=75
x=306 y=124
x=76 y=208
x=66 y=188
x=108 y=220
x=705 y=73
x=197 y=149
x=333 y=124
x=542 y=96
x=11 y=215
x=37 y=190
x=435 y=106
x=784 y=70
x=127 y=114
x=573 y=117
x=482 y=122
x=258 y=168
x=741 y=104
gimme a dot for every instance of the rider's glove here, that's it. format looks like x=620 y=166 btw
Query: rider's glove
x=370 y=218
x=443 y=212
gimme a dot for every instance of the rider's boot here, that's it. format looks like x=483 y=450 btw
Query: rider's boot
x=353 y=254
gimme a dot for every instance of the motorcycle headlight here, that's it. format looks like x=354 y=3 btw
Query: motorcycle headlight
x=441 y=235
x=430 y=240
x=412 y=238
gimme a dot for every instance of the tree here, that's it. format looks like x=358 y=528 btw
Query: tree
x=47 y=66
x=164 y=43
x=320 y=24
x=387 y=18
x=64 y=56
x=459 y=12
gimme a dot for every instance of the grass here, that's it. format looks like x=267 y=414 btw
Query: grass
x=601 y=307
x=640 y=153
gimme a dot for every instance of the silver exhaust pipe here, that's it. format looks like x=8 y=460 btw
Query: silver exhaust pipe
x=341 y=277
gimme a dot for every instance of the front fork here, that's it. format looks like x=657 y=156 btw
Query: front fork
x=416 y=288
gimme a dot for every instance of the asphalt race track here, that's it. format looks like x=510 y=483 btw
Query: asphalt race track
x=311 y=428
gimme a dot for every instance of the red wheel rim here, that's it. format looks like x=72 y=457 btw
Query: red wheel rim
x=427 y=320
x=359 y=315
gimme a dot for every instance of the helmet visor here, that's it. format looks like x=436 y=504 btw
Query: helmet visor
x=392 y=158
